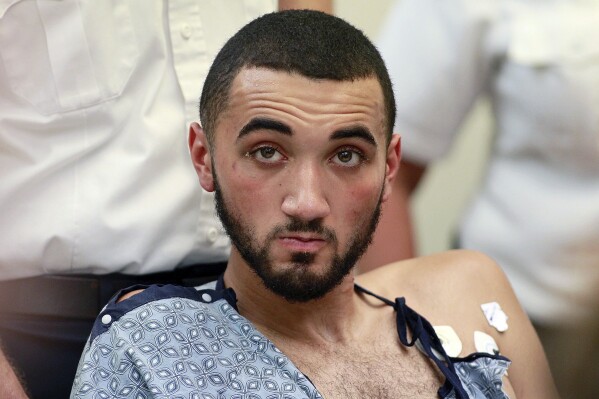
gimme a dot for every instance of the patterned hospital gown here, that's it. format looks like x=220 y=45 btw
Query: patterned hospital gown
x=178 y=342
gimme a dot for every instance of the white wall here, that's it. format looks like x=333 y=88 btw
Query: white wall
x=447 y=186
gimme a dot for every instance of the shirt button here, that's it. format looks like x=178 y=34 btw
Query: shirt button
x=206 y=297
x=106 y=319
x=186 y=32
x=212 y=235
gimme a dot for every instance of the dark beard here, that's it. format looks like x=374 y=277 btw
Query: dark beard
x=296 y=284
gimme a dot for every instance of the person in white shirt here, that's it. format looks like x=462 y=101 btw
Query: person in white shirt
x=96 y=191
x=536 y=211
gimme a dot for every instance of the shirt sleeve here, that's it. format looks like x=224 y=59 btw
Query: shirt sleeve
x=436 y=53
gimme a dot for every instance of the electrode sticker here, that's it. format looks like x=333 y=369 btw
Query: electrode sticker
x=450 y=340
x=495 y=316
x=452 y=345
x=484 y=343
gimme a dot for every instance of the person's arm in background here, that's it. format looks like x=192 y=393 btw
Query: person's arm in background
x=436 y=55
x=10 y=387
x=394 y=238
x=320 y=5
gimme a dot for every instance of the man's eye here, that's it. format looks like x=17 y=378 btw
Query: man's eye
x=266 y=154
x=348 y=158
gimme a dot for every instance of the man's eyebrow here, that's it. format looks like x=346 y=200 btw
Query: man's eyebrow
x=360 y=132
x=264 y=124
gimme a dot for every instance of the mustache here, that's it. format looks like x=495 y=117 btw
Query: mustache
x=315 y=226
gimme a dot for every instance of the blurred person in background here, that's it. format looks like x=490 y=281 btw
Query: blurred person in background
x=536 y=211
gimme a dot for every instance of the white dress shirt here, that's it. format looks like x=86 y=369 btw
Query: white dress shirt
x=537 y=210
x=96 y=98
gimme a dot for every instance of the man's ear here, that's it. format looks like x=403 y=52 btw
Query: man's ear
x=393 y=160
x=200 y=156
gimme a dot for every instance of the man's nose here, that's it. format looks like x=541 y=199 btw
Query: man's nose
x=305 y=198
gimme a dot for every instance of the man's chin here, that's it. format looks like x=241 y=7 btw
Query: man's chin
x=300 y=282
x=303 y=258
x=301 y=273
x=314 y=264
x=298 y=295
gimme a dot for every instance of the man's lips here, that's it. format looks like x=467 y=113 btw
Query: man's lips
x=302 y=242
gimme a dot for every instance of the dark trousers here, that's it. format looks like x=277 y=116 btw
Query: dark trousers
x=44 y=351
x=44 y=344
x=573 y=355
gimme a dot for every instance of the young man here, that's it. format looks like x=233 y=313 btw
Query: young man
x=296 y=143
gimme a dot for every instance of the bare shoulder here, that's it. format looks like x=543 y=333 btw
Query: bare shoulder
x=129 y=295
x=449 y=289
x=459 y=273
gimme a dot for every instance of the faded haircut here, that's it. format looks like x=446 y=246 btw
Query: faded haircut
x=311 y=43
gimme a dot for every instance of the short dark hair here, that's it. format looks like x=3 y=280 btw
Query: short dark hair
x=311 y=43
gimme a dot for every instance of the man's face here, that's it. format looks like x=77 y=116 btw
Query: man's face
x=299 y=170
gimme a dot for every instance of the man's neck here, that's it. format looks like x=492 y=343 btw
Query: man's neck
x=333 y=318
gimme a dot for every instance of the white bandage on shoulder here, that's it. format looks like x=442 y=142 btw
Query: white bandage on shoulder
x=495 y=316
